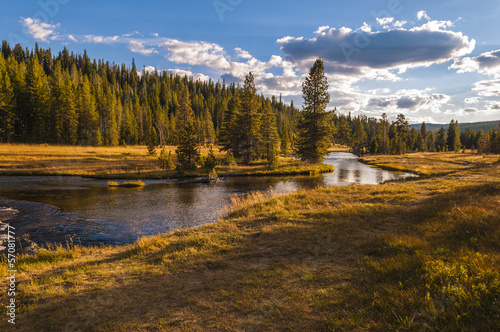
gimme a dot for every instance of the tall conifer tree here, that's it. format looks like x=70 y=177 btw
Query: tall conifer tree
x=313 y=137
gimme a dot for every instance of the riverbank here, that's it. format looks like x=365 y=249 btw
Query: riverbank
x=420 y=254
x=128 y=163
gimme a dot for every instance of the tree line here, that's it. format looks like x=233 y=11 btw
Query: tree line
x=379 y=136
x=71 y=99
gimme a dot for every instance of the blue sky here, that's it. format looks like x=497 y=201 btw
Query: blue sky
x=431 y=60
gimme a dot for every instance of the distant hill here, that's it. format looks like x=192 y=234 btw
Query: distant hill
x=485 y=126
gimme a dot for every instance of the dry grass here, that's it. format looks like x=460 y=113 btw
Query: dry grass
x=131 y=162
x=418 y=255
x=430 y=163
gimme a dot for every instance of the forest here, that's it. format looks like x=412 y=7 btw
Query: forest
x=71 y=99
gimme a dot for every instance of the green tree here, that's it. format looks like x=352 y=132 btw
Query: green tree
x=441 y=140
x=165 y=160
x=344 y=133
x=7 y=105
x=359 y=141
x=269 y=132
x=185 y=112
x=188 y=151
x=402 y=137
x=88 y=118
x=314 y=132
x=453 y=140
x=249 y=122
x=38 y=103
x=230 y=136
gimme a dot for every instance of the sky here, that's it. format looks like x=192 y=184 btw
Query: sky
x=432 y=61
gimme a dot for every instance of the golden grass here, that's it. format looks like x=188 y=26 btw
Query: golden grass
x=429 y=163
x=131 y=162
x=417 y=255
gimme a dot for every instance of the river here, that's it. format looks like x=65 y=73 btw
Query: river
x=94 y=213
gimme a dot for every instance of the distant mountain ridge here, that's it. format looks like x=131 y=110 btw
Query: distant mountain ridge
x=485 y=125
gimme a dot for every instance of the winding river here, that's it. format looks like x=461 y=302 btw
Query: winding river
x=94 y=213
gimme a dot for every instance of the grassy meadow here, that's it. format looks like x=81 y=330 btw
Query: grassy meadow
x=419 y=255
x=131 y=162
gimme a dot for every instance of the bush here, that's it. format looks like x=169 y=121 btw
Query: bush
x=165 y=160
x=210 y=161
x=230 y=160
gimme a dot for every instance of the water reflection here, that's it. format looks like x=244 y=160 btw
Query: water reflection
x=119 y=215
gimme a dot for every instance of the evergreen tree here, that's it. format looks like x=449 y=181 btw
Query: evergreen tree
x=185 y=112
x=165 y=160
x=424 y=134
x=441 y=140
x=38 y=103
x=313 y=138
x=359 y=139
x=7 y=105
x=88 y=118
x=344 y=133
x=230 y=136
x=249 y=121
x=453 y=140
x=188 y=151
x=269 y=132
x=402 y=129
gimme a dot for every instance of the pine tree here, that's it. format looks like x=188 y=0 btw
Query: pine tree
x=188 y=151
x=313 y=138
x=7 y=105
x=269 y=132
x=230 y=136
x=165 y=160
x=359 y=139
x=88 y=118
x=402 y=138
x=424 y=134
x=453 y=140
x=249 y=121
x=441 y=140
x=37 y=90
x=185 y=112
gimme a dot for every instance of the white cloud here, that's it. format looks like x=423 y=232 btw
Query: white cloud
x=197 y=53
x=423 y=14
x=242 y=53
x=487 y=63
x=139 y=47
x=487 y=88
x=101 y=39
x=40 y=30
x=196 y=77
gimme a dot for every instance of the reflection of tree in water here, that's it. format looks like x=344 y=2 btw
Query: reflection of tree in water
x=380 y=176
x=186 y=194
x=357 y=175
x=343 y=175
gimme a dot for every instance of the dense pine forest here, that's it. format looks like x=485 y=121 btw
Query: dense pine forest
x=379 y=136
x=71 y=99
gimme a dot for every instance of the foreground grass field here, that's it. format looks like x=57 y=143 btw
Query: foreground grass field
x=417 y=255
x=131 y=162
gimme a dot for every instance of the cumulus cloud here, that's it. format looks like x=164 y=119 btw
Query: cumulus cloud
x=487 y=88
x=410 y=100
x=196 y=77
x=139 y=47
x=359 y=52
x=40 y=30
x=487 y=63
